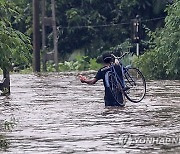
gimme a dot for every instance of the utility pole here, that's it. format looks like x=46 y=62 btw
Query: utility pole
x=36 y=33
x=55 y=34
x=136 y=33
x=49 y=22
x=44 y=35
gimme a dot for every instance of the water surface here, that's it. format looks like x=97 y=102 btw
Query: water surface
x=55 y=113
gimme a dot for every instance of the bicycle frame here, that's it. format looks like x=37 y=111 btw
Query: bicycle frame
x=127 y=84
x=122 y=82
x=124 y=69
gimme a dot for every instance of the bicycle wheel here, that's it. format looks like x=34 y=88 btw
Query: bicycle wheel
x=136 y=84
x=115 y=87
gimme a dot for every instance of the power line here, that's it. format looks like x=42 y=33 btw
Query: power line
x=109 y=25
x=153 y=19
x=93 y=26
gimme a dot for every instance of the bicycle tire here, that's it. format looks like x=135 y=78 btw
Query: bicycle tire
x=115 y=87
x=136 y=84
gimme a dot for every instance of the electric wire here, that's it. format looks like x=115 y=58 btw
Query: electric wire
x=109 y=25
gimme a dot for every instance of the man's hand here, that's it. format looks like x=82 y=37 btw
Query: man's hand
x=82 y=78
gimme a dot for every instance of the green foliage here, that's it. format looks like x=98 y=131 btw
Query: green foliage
x=14 y=45
x=163 y=61
x=91 y=24
x=69 y=66
x=94 y=65
x=27 y=70
x=81 y=63
x=50 y=67
x=123 y=47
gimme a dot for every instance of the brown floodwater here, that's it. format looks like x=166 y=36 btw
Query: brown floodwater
x=55 y=113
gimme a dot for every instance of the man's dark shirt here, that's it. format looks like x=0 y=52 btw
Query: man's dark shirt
x=108 y=98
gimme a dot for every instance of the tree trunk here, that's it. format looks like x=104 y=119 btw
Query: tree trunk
x=5 y=84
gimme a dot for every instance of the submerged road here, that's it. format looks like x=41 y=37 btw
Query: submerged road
x=55 y=113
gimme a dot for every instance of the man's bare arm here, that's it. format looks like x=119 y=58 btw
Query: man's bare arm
x=83 y=79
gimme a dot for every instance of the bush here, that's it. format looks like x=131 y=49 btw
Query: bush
x=163 y=61
x=81 y=63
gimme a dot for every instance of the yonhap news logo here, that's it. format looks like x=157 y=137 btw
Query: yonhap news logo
x=125 y=139
x=128 y=139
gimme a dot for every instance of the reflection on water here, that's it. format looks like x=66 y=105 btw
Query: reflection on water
x=55 y=113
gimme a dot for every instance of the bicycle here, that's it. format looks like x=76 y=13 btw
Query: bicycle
x=133 y=85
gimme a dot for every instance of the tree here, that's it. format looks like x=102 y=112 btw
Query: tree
x=163 y=61
x=96 y=25
x=93 y=25
x=14 y=45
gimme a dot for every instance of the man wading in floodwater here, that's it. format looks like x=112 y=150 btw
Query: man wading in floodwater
x=108 y=98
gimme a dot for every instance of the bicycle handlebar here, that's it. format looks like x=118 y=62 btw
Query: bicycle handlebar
x=121 y=55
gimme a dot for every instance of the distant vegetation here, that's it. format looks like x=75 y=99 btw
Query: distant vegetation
x=95 y=26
